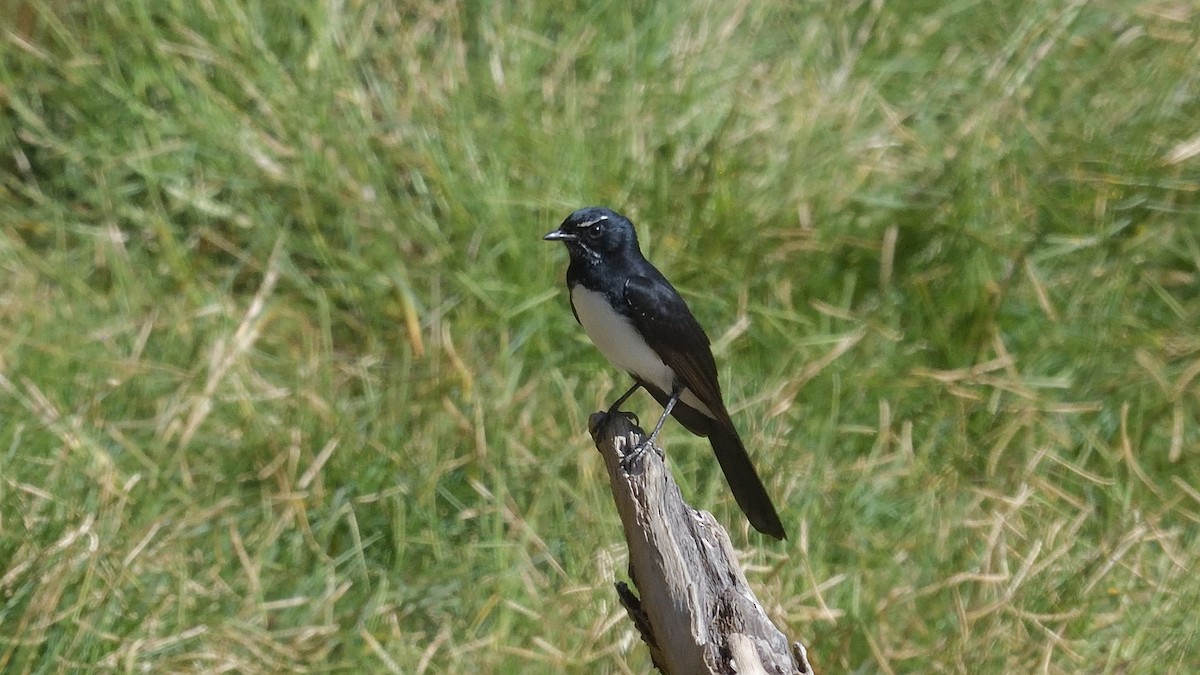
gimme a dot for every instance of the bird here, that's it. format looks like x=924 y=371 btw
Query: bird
x=641 y=325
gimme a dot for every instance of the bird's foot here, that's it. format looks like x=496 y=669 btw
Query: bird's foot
x=644 y=445
x=628 y=415
x=633 y=460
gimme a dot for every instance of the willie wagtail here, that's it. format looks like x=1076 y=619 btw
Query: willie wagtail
x=642 y=326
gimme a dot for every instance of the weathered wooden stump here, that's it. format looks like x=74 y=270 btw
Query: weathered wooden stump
x=696 y=611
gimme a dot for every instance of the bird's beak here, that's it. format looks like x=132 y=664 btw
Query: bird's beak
x=559 y=235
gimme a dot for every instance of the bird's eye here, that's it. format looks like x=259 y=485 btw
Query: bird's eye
x=596 y=229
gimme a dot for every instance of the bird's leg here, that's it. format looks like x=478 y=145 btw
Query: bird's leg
x=616 y=406
x=675 y=394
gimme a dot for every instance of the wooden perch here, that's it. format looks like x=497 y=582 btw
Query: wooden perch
x=696 y=612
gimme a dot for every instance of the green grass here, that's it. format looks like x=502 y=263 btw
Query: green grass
x=288 y=380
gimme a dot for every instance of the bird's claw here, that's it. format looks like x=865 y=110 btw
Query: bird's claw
x=628 y=415
x=644 y=445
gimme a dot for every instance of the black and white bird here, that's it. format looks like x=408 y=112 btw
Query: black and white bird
x=640 y=323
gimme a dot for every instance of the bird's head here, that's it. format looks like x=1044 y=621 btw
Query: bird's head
x=595 y=232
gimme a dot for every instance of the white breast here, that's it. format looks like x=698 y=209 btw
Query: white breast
x=617 y=339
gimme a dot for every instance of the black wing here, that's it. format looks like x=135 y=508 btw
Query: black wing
x=663 y=318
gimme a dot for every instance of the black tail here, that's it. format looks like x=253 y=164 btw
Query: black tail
x=743 y=480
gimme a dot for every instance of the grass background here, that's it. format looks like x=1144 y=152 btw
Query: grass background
x=288 y=381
